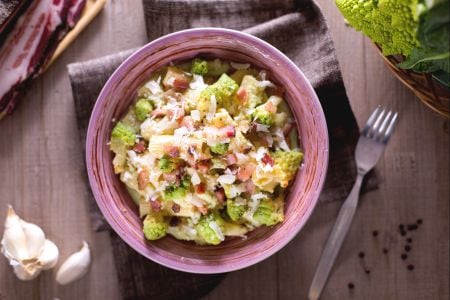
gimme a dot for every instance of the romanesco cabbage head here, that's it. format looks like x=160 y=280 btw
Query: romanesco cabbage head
x=124 y=133
x=392 y=24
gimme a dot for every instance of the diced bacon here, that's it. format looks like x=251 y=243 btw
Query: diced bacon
x=176 y=79
x=171 y=177
x=171 y=95
x=172 y=151
x=203 y=166
x=188 y=122
x=159 y=112
x=139 y=147
x=267 y=160
x=220 y=194
x=155 y=205
x=228 y=131
x=142 y=179
x=200 y=188
x=203 y=210
x=250 y=187
x=270 y=107
x=176 y=207
x=176 y=114
x=242 y=94
x=287 y=128
x=231 y=159
x=180 y=84
x=245 y=172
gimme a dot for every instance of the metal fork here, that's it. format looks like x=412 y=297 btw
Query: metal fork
x=371 y=143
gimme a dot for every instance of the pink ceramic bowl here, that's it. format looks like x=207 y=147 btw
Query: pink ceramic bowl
x=118 y=93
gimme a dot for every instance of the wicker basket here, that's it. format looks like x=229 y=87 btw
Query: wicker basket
x=431 y=93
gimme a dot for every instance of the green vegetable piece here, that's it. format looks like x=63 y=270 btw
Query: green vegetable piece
x=222 y=89
x=262 y=116
x=286 y=165
x=154 y=227
x=390 y=23
x=124 y=133
x=210 y=228
x=142 y=108
x=433 y=54
x=166 y=164
x=268 y=213
x=174 y=192
x=199 y=66
x=235 y=212
x=217 y=67
x=219 y=148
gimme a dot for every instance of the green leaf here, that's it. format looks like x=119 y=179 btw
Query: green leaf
x=442 y=77
x=422 y=61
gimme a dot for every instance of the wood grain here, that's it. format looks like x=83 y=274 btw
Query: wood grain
x=41 y=176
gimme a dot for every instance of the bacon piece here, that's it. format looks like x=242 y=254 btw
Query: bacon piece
x=203 y=166
x=155 y=205
x=176 y=207
x=188 y=122
x=250 y=187
x=139 y=147
x=220 y=194
x=177 y=113
x=159 y=112
x=200 y=188
x=143 y=179
x=30 y=44
x=228 y=131
x=231 y=159
x=172 y=177
x=172 y=151
x=242 y=94
x=245 y=172
x=267 y=160
x=176 y=79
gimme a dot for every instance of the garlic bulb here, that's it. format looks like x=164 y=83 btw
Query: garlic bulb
x=25 y=246
x=14 y=242
x=75 y=266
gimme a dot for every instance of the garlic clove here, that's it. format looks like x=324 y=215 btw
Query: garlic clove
x=35 y=238
x=14 y=243
x=49 y=255
x=75 y=266
x=24 y=273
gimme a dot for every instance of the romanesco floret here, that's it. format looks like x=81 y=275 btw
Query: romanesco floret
x=142 y=108
x=390 y=23
x=199 y=66
x=124 y=133
x=219 y=148
x=177 y=192
x=286 y=165
x=166 y=165
x=235 y=212
x=268 y=213
x=217 y=67
x=210 y=228
x=222 y=90
x=154 y=227
x=262 y=116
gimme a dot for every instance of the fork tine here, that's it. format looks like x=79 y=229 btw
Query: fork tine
x=374 y=129
x=370 y=121
x=390 y=128
x=384 y=124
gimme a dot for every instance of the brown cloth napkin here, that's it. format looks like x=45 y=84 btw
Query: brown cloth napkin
x=295 y=27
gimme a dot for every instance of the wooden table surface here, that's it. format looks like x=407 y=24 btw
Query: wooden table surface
x=42 y=176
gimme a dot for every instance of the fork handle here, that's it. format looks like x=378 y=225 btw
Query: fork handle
x=334 y=242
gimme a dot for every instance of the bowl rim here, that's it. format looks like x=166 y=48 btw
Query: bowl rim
x=97 y=109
